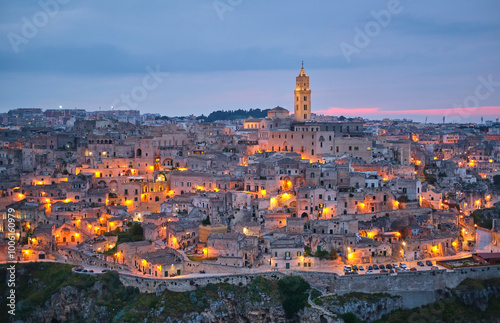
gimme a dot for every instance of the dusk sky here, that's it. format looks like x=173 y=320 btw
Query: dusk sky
x=414 y=59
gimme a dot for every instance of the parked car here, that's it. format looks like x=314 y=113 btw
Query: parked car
x=391 y=271
x=355 y=272
x=384 y=271
x=361 y=268
x=369 y=271
x=347 y=268
x=420 y=263
x=202 y=271
x=354 y=267
x=376 y=267
x=370 y=268
x=380 y=267
x=388 y=266
x=395 y=266
x=428 y=263
x=78 y=269
x=413 y=269
x=402 y=265
x=91 y=271
x=84 y=271
x=105 y=270
x=434 y=268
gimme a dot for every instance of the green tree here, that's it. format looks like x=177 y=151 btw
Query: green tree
x=496 y=181
x=349 y=318
x=293 y=292
x=206 y=221
x=136 y=230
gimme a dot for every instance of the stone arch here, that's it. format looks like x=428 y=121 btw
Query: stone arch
x=113 y=186
x=287 y=184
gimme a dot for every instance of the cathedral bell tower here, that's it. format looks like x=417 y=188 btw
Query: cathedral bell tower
x=302 y=97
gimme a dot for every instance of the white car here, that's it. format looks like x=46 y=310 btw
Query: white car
x=369 y=271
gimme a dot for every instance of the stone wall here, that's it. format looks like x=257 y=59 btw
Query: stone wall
x=155 y=285
x=406 y=284
x=417 y=282
x=213 y=267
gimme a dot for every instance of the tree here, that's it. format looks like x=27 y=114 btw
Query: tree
x=293 y=294
x=496 y=181
x=349 y=317
x=136 y=230
x=206 y=221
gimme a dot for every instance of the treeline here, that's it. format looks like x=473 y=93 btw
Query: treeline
x=234 y=114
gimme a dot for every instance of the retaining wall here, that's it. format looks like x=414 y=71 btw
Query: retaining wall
x=153 y=285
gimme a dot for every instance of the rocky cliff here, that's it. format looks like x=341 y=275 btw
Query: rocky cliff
x=367 y=307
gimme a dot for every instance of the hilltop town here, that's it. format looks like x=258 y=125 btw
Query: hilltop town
x=171 y=197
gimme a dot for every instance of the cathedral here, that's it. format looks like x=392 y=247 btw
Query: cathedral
x=316 y=141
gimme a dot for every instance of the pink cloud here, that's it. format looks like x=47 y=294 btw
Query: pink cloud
x=484 y=111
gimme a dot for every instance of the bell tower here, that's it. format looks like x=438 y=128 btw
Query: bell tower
x=302 y=97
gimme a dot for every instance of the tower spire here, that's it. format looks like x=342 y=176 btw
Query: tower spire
x=302 y=71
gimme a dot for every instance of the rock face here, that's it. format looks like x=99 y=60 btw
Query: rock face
x=478 y=298
x=367 y=307
x=231 y=309
x=68 y=304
